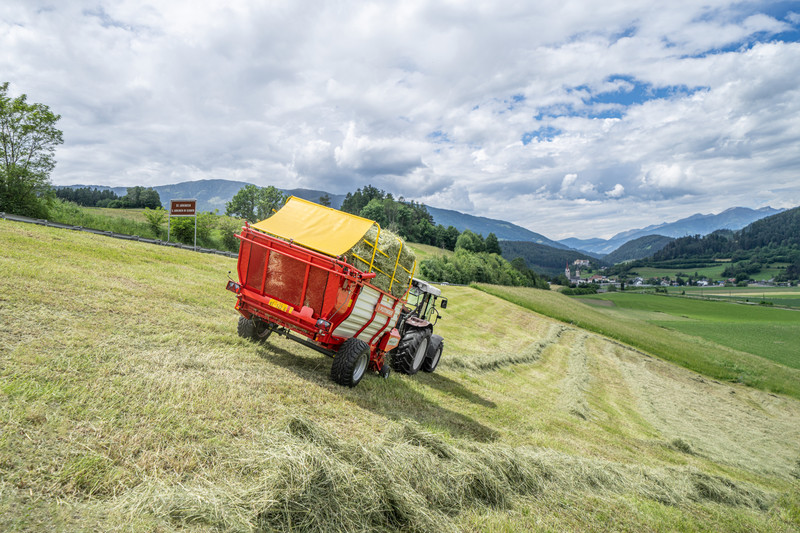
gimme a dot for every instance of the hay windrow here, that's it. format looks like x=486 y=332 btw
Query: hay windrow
x=386 y=263
x=302 y=478
x=492 y=361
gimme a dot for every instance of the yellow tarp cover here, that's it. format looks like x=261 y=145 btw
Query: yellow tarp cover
x=315 y=226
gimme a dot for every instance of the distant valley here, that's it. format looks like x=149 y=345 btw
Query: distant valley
x=734 y=218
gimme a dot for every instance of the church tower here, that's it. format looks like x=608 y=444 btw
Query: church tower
x=567 y=272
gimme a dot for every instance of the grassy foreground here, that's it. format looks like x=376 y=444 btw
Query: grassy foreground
x=127 y=402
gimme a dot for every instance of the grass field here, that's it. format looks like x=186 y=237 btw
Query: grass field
x=693 y=352
x=133 y=222
x=770 y=333
x=127 y=402
x=424 y=251
x=137 y=215
x=776 y=296
x=711 y=272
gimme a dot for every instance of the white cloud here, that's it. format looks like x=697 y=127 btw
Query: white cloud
x=616 y=192
x=470 y=106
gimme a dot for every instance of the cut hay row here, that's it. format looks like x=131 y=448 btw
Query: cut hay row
x=305 y=479
x=493 y=361
x=575 y=384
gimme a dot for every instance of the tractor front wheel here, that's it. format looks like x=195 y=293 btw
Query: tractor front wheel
x=410 y=353
x=434 y=353
x=350 y=362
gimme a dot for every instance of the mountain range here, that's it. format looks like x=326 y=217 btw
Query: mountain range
x=213 y=194
x=734 y=218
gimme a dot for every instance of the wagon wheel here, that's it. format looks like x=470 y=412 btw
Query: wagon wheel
x=261 y=331
x=245 y=328
x=350 y=362
x=410 y=353
x=434 y=353
x=253 y=329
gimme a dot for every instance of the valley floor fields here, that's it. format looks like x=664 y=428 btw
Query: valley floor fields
x=772 y=333
x=776 y=296
x=128 y=402
x=711 y=272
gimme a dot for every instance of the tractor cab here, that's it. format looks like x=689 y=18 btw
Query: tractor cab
x=422 y=298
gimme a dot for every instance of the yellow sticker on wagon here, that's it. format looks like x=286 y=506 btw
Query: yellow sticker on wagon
x=286 y=308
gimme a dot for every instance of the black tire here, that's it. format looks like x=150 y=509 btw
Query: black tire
x=261 y=330
x=410 y=353
x=350 y=362
x=253 y=329
x=435 y=348
x=246 y=328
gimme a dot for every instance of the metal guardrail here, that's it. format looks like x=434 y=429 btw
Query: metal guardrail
x=51 y=224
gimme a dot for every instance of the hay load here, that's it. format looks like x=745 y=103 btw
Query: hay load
x=393 y=262
x=333 y=232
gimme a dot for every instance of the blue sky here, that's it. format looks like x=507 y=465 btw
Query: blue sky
x=570 y=118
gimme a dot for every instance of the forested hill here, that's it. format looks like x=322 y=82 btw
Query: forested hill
x=638 y=249
x=541 y=258
x=778 y=232
x=484 y=226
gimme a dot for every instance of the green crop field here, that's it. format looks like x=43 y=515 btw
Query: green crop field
x=776 y=296
x=770 y=333
x=128 y=403
x=710 y=272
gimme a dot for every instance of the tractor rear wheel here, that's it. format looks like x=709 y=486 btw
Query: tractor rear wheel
x=350 y=362
x=410 y=353
x=434 y=353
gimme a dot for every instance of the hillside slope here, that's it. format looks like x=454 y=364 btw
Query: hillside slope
x=637 y=249
x=128 y=402
x=542 y=258
x=484 y=226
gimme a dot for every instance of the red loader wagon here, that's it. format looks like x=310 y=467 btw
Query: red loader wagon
x=295 y=280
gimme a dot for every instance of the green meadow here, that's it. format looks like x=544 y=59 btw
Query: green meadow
x=773 y=334
x=128 y=403
x=641 y=327
x=711 y=272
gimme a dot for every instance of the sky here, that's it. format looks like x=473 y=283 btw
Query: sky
x=569 y=118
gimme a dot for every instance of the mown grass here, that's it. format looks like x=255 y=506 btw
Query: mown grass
x=127 y=402
x=692 y=352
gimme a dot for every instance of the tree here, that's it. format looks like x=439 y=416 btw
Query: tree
x=492 y=246
x=28 y=138
x=139 y=197
x=354 y=203
x=155 y=218
x=470 y=242
x=255 y=203
x=325 y=200
x=228 y=227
